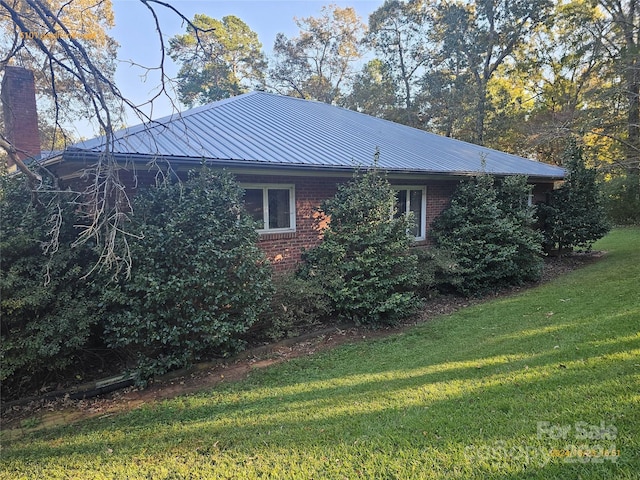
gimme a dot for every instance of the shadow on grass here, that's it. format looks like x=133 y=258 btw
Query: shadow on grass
x=462 y=396
x=491 y=404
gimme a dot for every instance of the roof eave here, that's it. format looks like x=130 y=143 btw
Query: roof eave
x=177 y=162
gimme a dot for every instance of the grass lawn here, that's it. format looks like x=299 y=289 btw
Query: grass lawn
x=544 y=384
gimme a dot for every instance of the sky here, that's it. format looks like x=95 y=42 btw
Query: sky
x=135 y=32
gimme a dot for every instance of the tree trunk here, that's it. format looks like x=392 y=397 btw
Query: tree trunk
x=633 y=131
x=480 y=112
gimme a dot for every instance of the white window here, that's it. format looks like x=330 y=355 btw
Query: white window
x=413 y=200
x=272 y=206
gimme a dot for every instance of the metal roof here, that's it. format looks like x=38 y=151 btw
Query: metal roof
x=266 y=129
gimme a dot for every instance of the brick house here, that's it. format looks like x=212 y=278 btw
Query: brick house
x=290 y=154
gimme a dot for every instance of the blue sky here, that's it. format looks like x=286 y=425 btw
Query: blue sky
x=135 y=31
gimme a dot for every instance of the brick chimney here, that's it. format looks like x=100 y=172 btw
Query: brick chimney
x=20 y=113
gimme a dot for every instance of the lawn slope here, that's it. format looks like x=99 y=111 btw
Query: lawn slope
x=544 y=384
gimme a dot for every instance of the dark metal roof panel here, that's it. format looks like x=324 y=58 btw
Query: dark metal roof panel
x=275 y=129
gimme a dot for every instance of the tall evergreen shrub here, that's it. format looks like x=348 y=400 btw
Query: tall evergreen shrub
x=574 y=216
x=47 y=311
x=622 y=193
x=364 y=261
x=199 y=280
x=488 y=231
x=513 y=200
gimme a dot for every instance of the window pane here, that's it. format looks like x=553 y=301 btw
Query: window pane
x=401 y=203
x=416 y=208
x=279 y=208
x=253 y=204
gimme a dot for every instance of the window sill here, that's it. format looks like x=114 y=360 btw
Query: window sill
x=276 y=235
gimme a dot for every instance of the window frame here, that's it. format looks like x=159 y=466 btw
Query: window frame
x=265 y=187
x=422 y=221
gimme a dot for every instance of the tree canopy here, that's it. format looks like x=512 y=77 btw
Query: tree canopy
x=320 y=62
x=520 y=76
x=67 y=46
x=68 y=41
x=396 y=33
x=222 y=59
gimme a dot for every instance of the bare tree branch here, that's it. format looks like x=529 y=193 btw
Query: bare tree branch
x=104 y=197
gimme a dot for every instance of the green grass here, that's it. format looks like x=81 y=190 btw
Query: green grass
x=463 y=397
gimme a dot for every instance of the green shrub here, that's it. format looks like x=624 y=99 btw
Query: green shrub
x=622 y=194
x=513 y=200
x=365 y=262
x=198 y=279
x=296 y=305
x=574 y=216
x=47 y=311
x=438 y=272
x=487 y=232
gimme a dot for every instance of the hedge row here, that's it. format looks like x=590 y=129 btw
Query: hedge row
x=200 y=286
x=198 y=283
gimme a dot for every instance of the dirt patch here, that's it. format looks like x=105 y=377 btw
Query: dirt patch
x=43 y=413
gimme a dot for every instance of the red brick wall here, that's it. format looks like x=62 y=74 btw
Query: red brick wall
x=438 y=197
x=284 y=249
